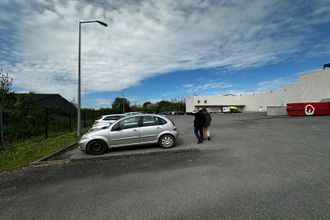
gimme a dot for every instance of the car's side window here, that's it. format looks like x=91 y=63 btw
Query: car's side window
x=132 y=122
x=149 y=121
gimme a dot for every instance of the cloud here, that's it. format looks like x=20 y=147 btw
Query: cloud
x=266 y=86
x=39 y=39
x=281 y=82
x=208 y=86
x=103 y=102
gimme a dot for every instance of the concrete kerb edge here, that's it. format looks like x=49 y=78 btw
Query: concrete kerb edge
x=111 y=157
x=47 y=157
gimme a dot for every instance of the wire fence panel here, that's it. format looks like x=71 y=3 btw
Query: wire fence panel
x=46 y=122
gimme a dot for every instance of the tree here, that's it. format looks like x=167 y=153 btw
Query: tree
x=137 y=108
x=121 y=105
x=5 y=87
x=5 y=84
x=146 y=104
x=152 y=108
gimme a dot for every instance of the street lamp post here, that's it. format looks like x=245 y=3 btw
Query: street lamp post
x=79 y=72
x=123 y=100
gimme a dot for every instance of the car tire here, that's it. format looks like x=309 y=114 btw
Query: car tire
x=97 y=147
x=166 y=141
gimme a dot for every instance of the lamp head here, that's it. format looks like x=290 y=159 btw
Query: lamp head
x=102 y=23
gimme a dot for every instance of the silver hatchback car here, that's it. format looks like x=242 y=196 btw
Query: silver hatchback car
x=132 y=130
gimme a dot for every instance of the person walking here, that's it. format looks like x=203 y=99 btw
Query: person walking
x=199 y=123
x=208 y=120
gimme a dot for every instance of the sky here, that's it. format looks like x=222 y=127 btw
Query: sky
x=161 y=50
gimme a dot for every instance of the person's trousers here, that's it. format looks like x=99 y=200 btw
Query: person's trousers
x=206 y=132
x=199 y=133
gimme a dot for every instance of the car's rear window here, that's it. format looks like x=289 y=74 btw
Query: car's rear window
x=161 y=121
x=112 y=118
x=152 y=120
x=149 y=121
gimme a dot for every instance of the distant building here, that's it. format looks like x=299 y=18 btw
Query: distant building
x=50 y=100
x=327 y=65
x=311 y=87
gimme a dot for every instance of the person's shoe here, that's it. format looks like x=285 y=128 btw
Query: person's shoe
x=199 y=142
x=208 y=138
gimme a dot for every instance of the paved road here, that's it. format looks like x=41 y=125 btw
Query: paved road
x=254 y=168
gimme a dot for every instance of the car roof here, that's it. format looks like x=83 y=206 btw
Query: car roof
x=139 y=115
x=113 y=115
x=143 y=114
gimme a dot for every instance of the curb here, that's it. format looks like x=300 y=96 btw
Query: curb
x=140 y=154
x=61 y=151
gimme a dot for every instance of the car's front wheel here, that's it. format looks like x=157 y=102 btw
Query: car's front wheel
x=167 y=141
x=97 y=147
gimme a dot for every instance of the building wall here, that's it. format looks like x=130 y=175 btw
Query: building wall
x=190 y=106
x=311 y=87
x=315 y=86
x=212 y=102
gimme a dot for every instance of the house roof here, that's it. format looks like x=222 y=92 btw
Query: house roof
x=50 y=100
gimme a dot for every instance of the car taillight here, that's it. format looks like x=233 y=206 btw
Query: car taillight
x=174 y=127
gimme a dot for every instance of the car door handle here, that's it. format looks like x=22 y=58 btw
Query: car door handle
x=135 y=130
x=158 y=128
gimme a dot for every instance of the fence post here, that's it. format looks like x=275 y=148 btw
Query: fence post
x=2 y=142
x=46 y=123
x=70 y=128
x=84 y=118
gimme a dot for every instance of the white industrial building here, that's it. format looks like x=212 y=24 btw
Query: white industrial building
x=311 y=87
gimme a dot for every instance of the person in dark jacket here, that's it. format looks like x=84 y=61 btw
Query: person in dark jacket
x=208 y=120
x=199 y=123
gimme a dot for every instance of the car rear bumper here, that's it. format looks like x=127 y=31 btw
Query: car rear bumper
x=175 y=134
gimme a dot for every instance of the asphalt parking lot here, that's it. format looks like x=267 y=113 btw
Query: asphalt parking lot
x=255 y=167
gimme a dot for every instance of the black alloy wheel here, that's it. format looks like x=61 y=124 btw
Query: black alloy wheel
x=97 y=147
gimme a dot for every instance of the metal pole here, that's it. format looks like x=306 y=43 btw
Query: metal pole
x=70 y=129
x=122 y=92
x=79 y=83
x=79 y=73
x=46 y=123
x=2 y=142
x=84 y=111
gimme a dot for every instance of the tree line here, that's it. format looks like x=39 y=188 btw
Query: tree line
x=121 y=105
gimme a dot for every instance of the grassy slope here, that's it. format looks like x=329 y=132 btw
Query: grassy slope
x=22 y=154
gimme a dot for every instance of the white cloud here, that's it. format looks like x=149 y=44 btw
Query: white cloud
x=40 y=39
x=104 y=102
x=281 y=82
x=266 y=86
x=208 y=87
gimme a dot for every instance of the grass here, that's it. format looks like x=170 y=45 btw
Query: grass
x=19 y=155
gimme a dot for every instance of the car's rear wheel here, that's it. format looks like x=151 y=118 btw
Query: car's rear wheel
x=97 y=147
x=167 y=141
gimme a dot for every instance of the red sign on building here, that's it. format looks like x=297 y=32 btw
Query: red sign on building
x=308 y=108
